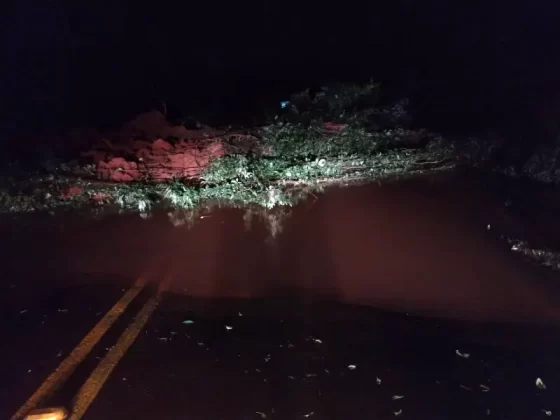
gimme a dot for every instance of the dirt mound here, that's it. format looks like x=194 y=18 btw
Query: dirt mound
x=156 y=161
x=149 y=148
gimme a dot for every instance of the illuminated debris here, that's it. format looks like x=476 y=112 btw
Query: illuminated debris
x=229 y=327
x=100 y=197
x=484 y=388
x=331 y=126
x=70 y=193
x=352 y=367
x=378 y=381
x=545 y=257
x=118 y=169
x=463 y=355
x=397 y=397
x=398 y=413
x=540 y=384
x=333 y=139
x=547 y=412
x=188 y=322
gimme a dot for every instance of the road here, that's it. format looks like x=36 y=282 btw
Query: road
x=372 y=303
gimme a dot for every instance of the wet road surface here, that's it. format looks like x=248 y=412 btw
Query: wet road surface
x=372 y=300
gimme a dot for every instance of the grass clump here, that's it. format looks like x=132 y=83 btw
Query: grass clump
x=138 y=197
x=181 y=196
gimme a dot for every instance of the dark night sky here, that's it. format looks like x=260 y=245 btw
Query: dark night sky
x=83 y=63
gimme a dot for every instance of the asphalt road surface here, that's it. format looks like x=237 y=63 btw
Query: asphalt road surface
x=377 y=303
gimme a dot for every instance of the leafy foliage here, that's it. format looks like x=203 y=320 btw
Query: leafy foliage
x=181 y=196
x=338 y=135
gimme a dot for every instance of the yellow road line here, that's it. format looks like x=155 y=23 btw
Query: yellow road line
x=57 y=378
x=91 y=388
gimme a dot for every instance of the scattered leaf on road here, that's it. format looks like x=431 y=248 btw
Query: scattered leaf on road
x=463 y=355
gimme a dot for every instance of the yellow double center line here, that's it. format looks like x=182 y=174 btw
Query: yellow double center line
x=99 y=376
x=93 y=384
x=60 y=375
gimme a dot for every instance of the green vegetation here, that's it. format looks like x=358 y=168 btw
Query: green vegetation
x=338 y=136
x=544 y=257
x=299 y=150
